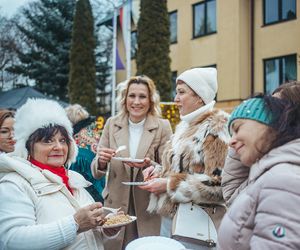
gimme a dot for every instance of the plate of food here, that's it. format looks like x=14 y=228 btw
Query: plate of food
x=118 y=220
x=135 y=183
x=128 y=159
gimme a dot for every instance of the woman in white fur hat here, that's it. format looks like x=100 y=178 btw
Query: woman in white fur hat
x=42 y=204
x=194 y=157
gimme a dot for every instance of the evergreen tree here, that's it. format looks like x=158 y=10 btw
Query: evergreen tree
x=47 y=27
x=153 y=38
x=103 y=75
x=82 y=80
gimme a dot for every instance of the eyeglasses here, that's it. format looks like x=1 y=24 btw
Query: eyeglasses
x=6 y=133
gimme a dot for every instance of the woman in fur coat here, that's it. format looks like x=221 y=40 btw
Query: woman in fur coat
x=193 y=159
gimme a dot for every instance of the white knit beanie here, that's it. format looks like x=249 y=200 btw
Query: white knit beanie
x=40 y=113
x=203 y=81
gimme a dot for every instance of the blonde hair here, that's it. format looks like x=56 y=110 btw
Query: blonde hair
x=154 y=97
x=76 y=113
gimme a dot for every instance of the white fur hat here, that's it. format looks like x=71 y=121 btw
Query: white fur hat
x=39 y=113
x=203 y=81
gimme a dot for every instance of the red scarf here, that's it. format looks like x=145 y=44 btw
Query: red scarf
x=60 y=171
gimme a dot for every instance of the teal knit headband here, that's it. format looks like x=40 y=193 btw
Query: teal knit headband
x=253 y=109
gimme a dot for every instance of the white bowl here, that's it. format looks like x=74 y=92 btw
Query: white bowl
x=154 y=242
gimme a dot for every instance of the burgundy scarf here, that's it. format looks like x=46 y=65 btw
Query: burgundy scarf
x=60 y=171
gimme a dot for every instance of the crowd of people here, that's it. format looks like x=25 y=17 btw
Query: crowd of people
x=220 y=181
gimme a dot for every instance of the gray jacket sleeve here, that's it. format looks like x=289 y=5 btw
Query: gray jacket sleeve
x=234 y=177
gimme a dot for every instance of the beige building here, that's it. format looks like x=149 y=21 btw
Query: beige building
x=253 y=43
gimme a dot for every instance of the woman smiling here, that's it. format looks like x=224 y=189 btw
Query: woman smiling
x=137 y=126
x=264 y=212
x=43 y=205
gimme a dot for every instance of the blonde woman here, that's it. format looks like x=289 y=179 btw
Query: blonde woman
x=139 y=127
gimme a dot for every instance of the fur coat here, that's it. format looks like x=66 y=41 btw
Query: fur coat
x=192 y=163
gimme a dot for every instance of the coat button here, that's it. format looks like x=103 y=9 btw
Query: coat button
x=39 y=192
x=109 y=201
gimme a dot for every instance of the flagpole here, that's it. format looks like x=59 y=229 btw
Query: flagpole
x=128 y=42
x=114 y=59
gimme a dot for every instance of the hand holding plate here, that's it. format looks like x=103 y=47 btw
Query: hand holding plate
x=142 y=164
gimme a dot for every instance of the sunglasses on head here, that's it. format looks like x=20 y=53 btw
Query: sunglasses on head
x=138 y=79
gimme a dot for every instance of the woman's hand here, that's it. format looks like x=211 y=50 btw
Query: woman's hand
x=156 y=186
x=105 y=155
x=143 y=164
x=149 y=173
x=89 y=217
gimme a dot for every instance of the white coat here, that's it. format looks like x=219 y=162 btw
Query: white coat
x=36 y=208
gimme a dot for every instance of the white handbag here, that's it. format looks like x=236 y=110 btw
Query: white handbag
x=193 y=224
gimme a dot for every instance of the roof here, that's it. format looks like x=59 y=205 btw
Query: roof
x=15 y=98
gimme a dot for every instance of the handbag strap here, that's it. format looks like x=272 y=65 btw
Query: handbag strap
x=210 y=242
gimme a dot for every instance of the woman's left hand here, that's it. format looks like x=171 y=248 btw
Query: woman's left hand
x=143 y=164
x=156 y=186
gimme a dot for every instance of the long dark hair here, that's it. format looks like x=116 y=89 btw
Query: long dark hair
x=289 y=91
x=287 y=120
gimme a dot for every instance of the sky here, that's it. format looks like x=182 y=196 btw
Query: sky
x=9 y=7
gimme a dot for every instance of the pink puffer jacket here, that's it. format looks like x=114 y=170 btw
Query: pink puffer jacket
x=265 y=209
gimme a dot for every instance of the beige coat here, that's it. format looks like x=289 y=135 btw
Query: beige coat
x=116 y=133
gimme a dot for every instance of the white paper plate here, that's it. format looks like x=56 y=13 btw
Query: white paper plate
x=128 y=159
x=135 y=183
x=133 y=218
x=154 y=243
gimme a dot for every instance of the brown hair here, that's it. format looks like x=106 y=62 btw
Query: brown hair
x=5 y=113
x=286 y=126
x=289 y=91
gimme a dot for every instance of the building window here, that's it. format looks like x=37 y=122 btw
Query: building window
x=204 y=18
x=173 y=27
x=279 y=10
x=133 y=48
x=173 y=83
x=279 y=70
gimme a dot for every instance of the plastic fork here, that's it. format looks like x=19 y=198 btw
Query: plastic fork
x=121 y=148
x=112 y=210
